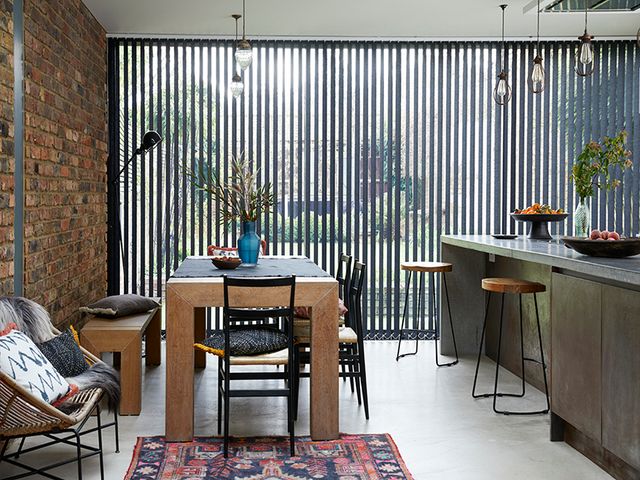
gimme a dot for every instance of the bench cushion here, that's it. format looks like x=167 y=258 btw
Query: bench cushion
x=120 y=305
x=245 y=341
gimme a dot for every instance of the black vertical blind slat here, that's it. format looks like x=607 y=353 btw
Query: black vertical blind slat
x=372 y=148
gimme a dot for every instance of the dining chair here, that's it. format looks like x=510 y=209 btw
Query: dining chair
x=351 y=343
x=242 y=342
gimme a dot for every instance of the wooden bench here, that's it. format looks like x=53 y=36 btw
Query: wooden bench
x=123 y=336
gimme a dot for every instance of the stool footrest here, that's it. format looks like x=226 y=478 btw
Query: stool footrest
x=499 y=394
x=534 y=360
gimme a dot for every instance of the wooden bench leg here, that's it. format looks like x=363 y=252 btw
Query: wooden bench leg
x=131 y=378
x=200 y=327
x=153 y=339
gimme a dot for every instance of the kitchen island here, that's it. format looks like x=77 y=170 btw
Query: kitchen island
x=590 y=317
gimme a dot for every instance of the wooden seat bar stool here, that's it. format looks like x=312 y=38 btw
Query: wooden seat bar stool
x=423 y=268
x=519 y=287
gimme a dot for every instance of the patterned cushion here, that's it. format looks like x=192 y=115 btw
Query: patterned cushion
x=120 y=305
x=64 y=354
x=245 y=341
x=21 y=360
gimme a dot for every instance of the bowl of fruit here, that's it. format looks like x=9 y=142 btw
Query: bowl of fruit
x=538 y=216
x=604 y=244
x=224 y=262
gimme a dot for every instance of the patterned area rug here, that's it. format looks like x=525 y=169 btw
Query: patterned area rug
x=353 y=457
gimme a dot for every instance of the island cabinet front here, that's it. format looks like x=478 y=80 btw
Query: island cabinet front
x=576 y=340
x=595 y=338
x=621 y=367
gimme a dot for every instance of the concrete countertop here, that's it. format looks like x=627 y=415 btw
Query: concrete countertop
x=551 y=252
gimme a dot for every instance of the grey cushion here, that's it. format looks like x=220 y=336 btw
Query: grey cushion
x=64 y=354
x=246 y=341
x=120 y=306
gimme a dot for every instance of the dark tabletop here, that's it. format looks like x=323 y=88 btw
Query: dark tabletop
x=201 y=267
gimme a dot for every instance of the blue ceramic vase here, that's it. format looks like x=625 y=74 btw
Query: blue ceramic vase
x=249 y=244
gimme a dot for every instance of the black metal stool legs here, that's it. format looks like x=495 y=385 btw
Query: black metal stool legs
x=482 y=336
x=439 y=324
x=404 y=316
x=541 y=362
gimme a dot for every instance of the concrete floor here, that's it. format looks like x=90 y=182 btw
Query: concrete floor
x=442 y=433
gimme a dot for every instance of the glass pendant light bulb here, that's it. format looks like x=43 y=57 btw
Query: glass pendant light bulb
x=502 y=91
x=236 y=87
x=536 y=80
x=243 y=54
x=586 y=53
x=538 y=73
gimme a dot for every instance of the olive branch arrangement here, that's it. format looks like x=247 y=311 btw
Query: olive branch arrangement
x=239 y=198
x=594 y=165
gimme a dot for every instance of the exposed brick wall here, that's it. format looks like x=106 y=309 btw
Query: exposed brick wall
x=65 y=156
x=6 y=147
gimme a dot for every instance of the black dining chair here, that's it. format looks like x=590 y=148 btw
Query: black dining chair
x=254 y=337
x=350 y=341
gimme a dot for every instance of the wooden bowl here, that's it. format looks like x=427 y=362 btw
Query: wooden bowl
x=226 y=263
x=625 y=247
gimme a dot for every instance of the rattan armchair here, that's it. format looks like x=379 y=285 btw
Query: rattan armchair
x=23 y=415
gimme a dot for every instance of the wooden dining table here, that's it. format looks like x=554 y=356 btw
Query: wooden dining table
x=197 y=285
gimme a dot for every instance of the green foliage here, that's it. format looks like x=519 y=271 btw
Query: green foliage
x=596 y=162
x=239 y=198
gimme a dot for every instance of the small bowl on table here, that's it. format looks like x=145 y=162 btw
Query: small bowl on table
x=539 y=230
x=226 y=263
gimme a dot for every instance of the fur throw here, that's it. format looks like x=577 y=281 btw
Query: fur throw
x=34 y=321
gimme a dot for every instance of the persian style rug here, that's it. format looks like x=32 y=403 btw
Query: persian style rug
x=352 y=457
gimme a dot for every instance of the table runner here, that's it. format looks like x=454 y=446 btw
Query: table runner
x=201 y=267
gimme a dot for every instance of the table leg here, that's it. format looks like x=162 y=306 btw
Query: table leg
x=153 y=339
x=200 y=326
x=180 y=358
x=324 y=367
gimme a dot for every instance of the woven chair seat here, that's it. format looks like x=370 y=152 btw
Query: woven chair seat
x=281 y=357
x=245 y=341
x=345 y=335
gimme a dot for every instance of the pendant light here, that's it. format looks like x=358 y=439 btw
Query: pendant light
x=502 y=92
x=536 y=79
x=585 y=60
x=244 y=53
x=236 y=87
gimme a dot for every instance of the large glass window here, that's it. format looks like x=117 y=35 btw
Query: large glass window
x=373 y=148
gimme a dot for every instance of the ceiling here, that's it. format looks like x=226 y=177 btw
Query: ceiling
x=352 y=18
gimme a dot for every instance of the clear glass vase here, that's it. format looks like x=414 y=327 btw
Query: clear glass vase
x=582 y=219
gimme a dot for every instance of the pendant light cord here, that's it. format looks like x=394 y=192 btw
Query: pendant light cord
x=244 y=16
x=586 y=9
x=538 y=31
x=503 y=7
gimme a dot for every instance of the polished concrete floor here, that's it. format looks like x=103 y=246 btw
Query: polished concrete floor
x=442 y=433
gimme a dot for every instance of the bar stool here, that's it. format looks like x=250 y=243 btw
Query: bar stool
x=519 y=287
x=431 y=268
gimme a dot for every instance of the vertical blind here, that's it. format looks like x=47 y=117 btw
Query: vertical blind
x=372 y=148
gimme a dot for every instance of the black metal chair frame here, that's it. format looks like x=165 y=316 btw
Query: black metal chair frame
x=351 y=356
x=243 y=318
x=434 y=334
x=56 y=437
x=540 y=362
